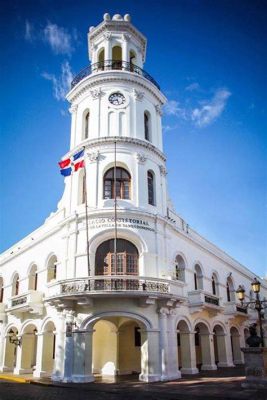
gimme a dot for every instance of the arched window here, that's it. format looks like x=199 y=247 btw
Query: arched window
x=101 y=58
x=116 y=57
x=214 y=285
x=15 y=285
x=86 y=124
x=132 y=58
x=1 y=290
x=151 y=188
x=52 y=269
x=127 y=258
x=179 y=268
x=198 y=278
x=230 y=290
x=123 y=182
x=33 y=278
x=147 y=126
x=81 y=188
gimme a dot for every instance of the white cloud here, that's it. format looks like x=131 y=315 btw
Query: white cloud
x=58 y=38
x=29 y=31
x=61 y=84
x=210 y=111
x=172 y=108
x=192 y=87
x=168 y=128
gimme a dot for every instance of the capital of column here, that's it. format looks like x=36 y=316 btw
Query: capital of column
x=73 y=108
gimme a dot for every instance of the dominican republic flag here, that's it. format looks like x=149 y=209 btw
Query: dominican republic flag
x=72 y=164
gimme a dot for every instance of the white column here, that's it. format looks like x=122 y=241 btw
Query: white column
x=39 y=356
x=163 y=343
x=69 y=347
x=188 y=353
x=229 y=353
x=225 y=358
x=82 y=356
x=173 y=371
x=60 y=345
x=125 y=49
x=18 y=368
x=150 y=359
x=207 y=351
x=73 y=139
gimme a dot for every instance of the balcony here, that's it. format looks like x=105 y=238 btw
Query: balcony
x=119 y=286
x=200 y=300
x=110 y=65
x=235 y=310
x=31 y=301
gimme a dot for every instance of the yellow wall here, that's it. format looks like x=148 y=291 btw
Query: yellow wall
x=129 y=354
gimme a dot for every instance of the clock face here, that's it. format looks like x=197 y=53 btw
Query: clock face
x=117 y=99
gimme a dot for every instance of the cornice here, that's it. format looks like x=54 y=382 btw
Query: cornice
x=107 y=140
x=91 y=81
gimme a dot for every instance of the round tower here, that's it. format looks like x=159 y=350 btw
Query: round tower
x=116 y=117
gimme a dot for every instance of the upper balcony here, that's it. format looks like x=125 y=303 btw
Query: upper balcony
x=112 y=65
x=31 y=301
x=200 y=300
x=146 y=290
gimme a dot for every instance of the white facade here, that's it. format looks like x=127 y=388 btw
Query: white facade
x=168 y=305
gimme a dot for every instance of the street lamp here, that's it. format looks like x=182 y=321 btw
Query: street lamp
x=259 y=304
x=13 y=338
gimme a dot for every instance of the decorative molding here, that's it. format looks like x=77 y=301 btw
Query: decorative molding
x=141 y=158
x=159 y=109
x=163 y=170
x=107 y=35
x=73 y=108
x=126 y=37
x=93 y=157
x=138 y=95
x=97 y=93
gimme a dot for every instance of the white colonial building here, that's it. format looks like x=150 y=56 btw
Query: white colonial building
x=166 y=304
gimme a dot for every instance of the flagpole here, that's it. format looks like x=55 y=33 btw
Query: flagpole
x=86 y=221
x=115 y=206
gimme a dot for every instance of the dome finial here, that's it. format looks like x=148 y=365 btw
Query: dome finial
x=106 y=17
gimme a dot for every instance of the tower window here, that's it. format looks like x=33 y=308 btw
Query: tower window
x=86 y=125
x=123 y=181
x=213 y=284
x=150 y=187
x=147 y=126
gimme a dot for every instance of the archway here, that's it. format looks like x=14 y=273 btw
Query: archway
x=186 y=349
x=10 y=355
x=204 y=347
x=116 y=57
x=28 y=350
x=46 y=350
x=219 y=346
x=235 y=343
x=116 y=346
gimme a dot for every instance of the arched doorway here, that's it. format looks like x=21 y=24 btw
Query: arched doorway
x=186 y=349
x=117 y=343
x=235 y=343
x=219 y=346
x=26 y=359
x=127 y=258
x=204 y=347
x=10 y=355
x=46 y=350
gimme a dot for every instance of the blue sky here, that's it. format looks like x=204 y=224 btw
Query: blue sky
x=210 y=61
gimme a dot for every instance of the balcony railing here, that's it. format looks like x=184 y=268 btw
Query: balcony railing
x=108 y=284
x=109 y=65
x=231 y=308
x=199 y=299
x=30 y=301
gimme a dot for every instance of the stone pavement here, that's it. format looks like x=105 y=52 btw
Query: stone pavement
x=222 y=384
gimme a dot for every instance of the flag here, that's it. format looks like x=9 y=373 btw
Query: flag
x=72 y=164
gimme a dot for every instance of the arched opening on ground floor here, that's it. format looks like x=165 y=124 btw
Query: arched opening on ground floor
x=117 y=346
x=47 y=347
x=220 y=353
x=10 y=355
x=26 y=359
x=186 y=348
x=235 y=344
x=204 y=347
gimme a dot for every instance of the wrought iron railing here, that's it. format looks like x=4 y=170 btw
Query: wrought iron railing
x=211 y=300
x=115 y=283
x=109 y=65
